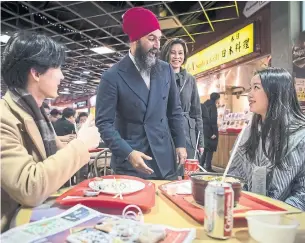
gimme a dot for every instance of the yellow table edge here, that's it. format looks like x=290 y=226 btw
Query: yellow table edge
x=24 y=214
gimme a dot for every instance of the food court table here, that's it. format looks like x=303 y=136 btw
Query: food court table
x=167 y=213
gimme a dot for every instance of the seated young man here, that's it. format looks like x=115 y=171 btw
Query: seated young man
x=34 y=164
x=66 y=124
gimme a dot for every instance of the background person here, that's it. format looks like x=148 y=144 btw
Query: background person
x=81 y=119
x=210 y=130
x=54 y=115
x=66 y=124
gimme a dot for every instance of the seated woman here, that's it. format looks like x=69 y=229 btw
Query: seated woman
x=270 y=157
x=34 y=164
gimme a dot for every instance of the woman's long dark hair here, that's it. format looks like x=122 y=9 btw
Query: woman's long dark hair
x=283 y=113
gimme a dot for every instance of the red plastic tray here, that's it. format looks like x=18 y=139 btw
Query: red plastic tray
x=246 y=202
x=145 y=199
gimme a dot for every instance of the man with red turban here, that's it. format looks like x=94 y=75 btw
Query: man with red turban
x=138 y=110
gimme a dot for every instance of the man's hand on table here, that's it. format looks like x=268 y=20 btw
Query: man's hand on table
x=136 y=158
x=181 y=155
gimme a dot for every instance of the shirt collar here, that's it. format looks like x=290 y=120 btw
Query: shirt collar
x=133 y=60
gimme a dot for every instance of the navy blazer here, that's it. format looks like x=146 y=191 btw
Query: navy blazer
x=131 y=117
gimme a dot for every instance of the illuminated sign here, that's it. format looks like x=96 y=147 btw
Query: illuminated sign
x=81 y=104
x=238 y=44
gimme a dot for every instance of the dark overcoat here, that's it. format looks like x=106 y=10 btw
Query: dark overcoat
x=130 y=116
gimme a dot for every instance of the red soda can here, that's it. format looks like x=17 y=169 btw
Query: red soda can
x=218 y=207
x=190 y=167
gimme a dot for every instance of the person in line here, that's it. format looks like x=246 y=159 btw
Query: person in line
x=66 y=125
x=175 y=52
x=138 y=111
x=210 y=130
x=270 y=157
x=34 y=164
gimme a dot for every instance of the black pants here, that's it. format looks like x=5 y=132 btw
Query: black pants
x=206 y=159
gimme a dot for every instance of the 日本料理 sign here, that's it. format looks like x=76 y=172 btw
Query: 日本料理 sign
x=234 y=46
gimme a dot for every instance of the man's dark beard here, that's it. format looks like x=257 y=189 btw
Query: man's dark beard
x=144 y=62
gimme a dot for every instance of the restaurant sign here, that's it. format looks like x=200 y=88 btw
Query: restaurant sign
x=81 y=104
x=237 y=45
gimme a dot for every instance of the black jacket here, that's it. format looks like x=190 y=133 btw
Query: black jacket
x=63 y=127
x=210 y=128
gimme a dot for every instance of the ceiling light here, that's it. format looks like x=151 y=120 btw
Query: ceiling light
x=102 y=50
x=4 y=38
x=162 y=11
x=64 y=92
x=86 y=72
x=78 y=91
x=66 y=89
x=79 y=81
x=169 y=23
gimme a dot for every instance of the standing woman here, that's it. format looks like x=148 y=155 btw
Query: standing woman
x=175 y=52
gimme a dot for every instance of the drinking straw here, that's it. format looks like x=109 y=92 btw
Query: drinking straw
x=196 y=145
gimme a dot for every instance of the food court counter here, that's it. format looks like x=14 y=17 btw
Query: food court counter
x=226 y=141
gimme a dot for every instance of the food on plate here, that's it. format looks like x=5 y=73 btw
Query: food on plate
x=131 y=231
x=116 y=186
x=152 y=236
x=107 y=227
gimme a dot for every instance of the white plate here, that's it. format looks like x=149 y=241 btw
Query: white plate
x=113 y=186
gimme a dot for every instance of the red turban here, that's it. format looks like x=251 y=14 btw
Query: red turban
x=138 y=22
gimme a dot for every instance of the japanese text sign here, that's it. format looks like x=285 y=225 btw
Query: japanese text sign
x=236 y=45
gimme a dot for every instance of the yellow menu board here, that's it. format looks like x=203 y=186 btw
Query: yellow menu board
x=237 y=45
